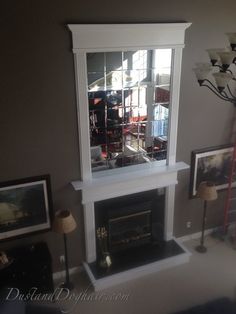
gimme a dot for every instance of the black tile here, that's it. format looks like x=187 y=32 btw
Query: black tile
x=136 y=257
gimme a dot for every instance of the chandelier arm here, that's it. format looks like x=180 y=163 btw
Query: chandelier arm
x=215 y=91
x=212 y=85
x=233 y=96
x=218 y=66
x=229 y=98
x=228 y=70
x=223 y=93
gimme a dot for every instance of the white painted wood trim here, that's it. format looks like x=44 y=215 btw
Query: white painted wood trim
x=90 y=232
x=174 y=106
x=127 y=176
x=130 y=187
x=138 y=272
x=113 y=183
x=97 y=37
x=83 y=117
x=169 y=212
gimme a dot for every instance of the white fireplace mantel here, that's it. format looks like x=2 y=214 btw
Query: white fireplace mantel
x=137 y=179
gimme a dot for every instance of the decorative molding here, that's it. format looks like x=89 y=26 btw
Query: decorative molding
x=142 y=179
x=107 y=37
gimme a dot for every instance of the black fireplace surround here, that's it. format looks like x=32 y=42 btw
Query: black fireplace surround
x=132 y=220
x=135 y=226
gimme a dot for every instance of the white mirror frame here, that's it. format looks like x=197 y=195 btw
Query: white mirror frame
x=118 y=37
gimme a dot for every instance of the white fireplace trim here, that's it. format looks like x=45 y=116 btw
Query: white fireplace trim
x=128 y=182
x=106 y=187
x=115 y=183
x=114 y=190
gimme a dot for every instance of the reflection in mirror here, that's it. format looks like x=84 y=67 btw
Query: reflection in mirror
x=129 y=96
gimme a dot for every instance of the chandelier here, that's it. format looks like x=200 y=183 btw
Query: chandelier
x=219 y=76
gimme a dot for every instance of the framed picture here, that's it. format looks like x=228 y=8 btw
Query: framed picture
x=25 y=206
x=211 y=164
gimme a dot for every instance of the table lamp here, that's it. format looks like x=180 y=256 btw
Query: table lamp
x=65 y=223
x=206 y=192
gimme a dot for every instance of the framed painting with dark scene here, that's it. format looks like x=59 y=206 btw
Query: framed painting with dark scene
x=25 y=206
x=210 y=164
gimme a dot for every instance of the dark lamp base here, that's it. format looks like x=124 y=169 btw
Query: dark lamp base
x=201 y=249
x=67 y=285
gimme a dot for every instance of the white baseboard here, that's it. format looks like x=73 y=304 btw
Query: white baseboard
x=196 y=235
x=61 y=274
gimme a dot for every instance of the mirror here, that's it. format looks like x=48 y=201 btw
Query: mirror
x=129 y=97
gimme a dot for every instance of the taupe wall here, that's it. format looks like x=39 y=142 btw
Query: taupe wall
x=38 y=126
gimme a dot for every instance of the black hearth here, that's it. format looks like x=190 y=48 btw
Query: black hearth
x=136 y=257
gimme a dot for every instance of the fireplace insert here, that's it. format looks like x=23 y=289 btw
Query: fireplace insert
x=132 y=220
x=129 y=230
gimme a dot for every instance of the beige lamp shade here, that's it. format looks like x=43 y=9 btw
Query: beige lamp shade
x=64 y=222
x=207 y=191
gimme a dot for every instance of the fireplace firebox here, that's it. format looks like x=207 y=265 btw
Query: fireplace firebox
x=132 y=220
x=129 y=230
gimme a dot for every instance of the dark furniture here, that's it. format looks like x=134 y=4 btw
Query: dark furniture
x=31 y=267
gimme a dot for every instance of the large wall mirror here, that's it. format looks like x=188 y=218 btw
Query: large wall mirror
x=128 y=82
x=128 y=104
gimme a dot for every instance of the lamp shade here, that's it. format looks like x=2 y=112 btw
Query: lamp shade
x=64 y=222
x=207 y=191
x=231 y=37
x=213 y=53
x=202 y=71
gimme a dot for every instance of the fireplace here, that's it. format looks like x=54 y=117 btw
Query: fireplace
x=135 y=226
x=132 y=220
x=135 y=236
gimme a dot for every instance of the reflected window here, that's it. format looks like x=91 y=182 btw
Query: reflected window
x=129 y=95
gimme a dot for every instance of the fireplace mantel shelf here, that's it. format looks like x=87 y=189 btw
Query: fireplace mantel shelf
x=144 y=173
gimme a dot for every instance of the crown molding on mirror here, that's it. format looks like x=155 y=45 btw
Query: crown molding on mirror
x=101 y=37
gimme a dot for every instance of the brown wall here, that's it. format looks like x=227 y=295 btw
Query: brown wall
x=38 y=125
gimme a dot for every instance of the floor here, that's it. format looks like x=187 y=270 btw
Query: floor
x=204 y=278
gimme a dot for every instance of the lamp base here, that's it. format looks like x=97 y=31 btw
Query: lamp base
x=67 y=285
x=201 y=249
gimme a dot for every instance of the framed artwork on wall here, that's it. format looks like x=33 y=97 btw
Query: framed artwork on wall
x=25 y=206
x=210 y=164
